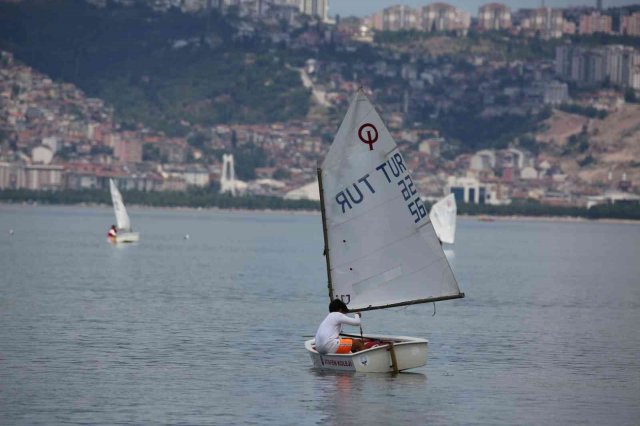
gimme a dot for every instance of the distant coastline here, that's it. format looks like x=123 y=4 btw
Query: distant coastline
x=568 y=219
x=482 y=217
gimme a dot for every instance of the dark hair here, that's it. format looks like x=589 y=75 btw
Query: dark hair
x=338 y=305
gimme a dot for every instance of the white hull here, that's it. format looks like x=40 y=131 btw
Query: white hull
x=411 y=352
x=126 y=237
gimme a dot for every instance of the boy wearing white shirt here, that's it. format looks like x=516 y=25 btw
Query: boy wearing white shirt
x=328 y=340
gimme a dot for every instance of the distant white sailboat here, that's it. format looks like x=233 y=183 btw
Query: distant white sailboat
x=125 y=233
x=381 y=250
x=443 y=217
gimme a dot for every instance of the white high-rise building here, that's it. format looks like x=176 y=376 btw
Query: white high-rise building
x=547 y=22
x=399 y=17
x=494 y=16
x=443 y=17
x=317 y=8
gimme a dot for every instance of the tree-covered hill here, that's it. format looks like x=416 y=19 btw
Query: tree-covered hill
x=158 y=69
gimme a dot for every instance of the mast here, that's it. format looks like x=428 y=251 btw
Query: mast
x=324 y=233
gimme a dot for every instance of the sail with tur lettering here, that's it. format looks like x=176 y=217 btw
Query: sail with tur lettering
x=382 y=248
x=443 y=216
x=122 y=218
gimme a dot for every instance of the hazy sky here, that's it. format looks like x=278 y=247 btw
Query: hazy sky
x=366 y=7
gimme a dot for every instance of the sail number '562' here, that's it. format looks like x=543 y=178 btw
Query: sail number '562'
x=393 y=168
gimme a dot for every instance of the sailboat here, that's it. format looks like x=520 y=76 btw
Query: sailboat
x=443 y=218
x=381 y=250
x=125 y=232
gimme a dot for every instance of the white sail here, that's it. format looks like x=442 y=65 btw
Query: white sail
x=122 y=218
x=443 y=217
x=382 y=247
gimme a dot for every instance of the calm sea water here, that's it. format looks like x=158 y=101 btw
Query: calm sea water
x=210 y=330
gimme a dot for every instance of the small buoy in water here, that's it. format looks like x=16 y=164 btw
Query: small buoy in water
x=186 y=237
x=10 y=231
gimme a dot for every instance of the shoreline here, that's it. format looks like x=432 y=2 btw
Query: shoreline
x=303 y=212
x=569 y=219
x=169 y=208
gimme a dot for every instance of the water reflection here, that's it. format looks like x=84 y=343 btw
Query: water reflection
x=342 y=394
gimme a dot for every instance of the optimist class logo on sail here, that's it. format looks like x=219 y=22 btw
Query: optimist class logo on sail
x=368 y=134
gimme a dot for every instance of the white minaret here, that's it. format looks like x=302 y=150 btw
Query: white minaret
x=228 y=178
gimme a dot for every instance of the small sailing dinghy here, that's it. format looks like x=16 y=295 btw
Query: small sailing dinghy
x=443 y=217
x=381 y=249
x=125 y=233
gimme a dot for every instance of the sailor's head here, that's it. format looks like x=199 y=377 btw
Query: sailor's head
x=113 y=227
x=338 y=305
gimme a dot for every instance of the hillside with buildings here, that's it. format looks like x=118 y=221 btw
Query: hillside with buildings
x=505 y=107
x=165 y=70
x=601 y=151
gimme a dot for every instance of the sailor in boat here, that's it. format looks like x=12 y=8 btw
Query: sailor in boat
x=328 y=340
x=113 y=232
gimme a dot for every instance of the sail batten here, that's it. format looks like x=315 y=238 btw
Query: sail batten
x=383 y=249
x=389 y=244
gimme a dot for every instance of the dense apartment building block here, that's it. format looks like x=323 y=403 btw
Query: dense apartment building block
x=31 y=176
x=620 y=65
x=595 y=23
x=630 y=25
x=547 y=22
x=396 y=18
x=316 y=8
x=127 y=149
x=443 y=17
x=494 y=16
